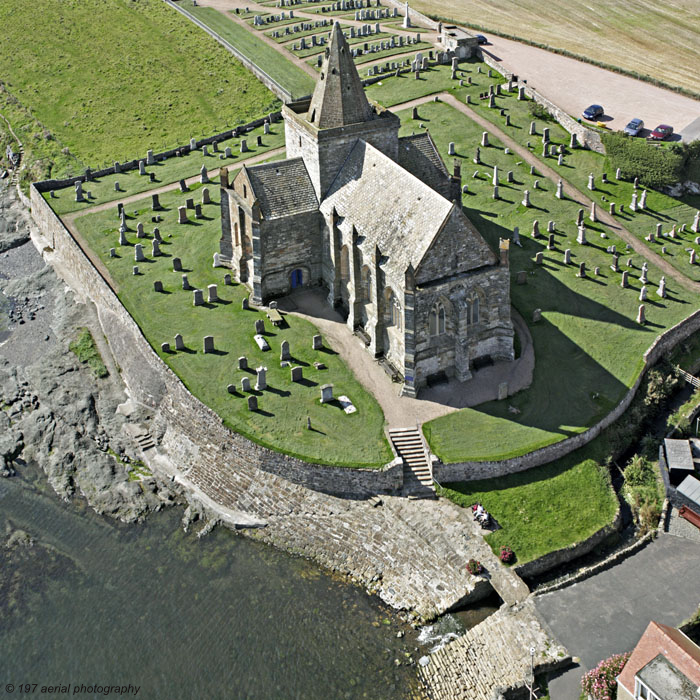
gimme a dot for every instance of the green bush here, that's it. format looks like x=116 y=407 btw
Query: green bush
x=643 y=492
x=86 y=351
x=540 y=111
x=655 y=166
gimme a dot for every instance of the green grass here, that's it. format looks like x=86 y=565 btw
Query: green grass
x=87 y=92
x=588 y=347
x=355 y=440
x=545 y=508
x=86 y=351
x=167 y=171
x=288 y=75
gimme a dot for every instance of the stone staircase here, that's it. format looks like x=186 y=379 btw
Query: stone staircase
x=417 y=474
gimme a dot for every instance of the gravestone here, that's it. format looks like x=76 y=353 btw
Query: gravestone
x=521 y=277
x=623 y=282
x=533 y=128
x=179 y=342
x=245 y=304
x=573 y=141
x=157 y=286
x=206 y=199
x=227 y=152
x=661 y=291
x=205 y=151
x=297 y=374
x=691 y=260
x=633 y=205
x=245 y=383
x=197 y=297
x=579 y=217
x=612 y=209
x=550 y=227
x=536 y=185
x=615 y=267
x=140 y=233
x=183 y=186
x=150 y=160
x=204 y=175
x=243 y=362
x=259 y=326
x=567 y=256
x=581 y=270
x=116 y=188
x=535 y=229
x=252 y=403
x=477 y=156
x=326 y=393
x=545 y=134
x=618 y=174
x=643 y=293
x=550 y=242
x=284 y=351
x=244 y=146
x=451 y=148
x=112 y=252
x=156 y=234
x=485 y=138
x=560 y=160
x=208 y=344
x=641 y=318
x=79 y=192
x=539 y=258
x=182 y=215
x=516 y=236
x=198 y=211
x=560 y=190
x=135 y=270
x=177 y=265
x=509 y=176
x=261 y=378
x=138 y=253
x=593 y=214
x=581 y=237
x=165 y=347
x=155 y=248
x=495 y=192
x=591 y=182
x=142 y=168
x=643 y=276
x=227 y=279
x=212 y=295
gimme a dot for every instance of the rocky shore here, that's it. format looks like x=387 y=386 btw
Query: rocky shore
x=55 y=412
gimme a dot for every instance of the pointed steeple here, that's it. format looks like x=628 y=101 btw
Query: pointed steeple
x=338 y=99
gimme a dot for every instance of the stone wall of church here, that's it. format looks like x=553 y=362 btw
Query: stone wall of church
x=287 y=244
x=467 y=336
x=325 y=151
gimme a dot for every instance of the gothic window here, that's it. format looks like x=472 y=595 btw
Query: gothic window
x=344 y=264
x=245 y=192
x=472 y=311
x=436 y=320
x=366 y=291
x=393 y=310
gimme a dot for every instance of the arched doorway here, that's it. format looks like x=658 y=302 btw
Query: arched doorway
x=297 y=278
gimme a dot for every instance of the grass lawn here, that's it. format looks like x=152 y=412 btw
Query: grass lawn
x=82 y=87
x=288 y=75
x=588 y=347
x=355 y=440
x=167 y=171
x=545 y=508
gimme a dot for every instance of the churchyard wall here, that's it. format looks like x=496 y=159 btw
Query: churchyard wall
x=194 y=435
x=473 y=471
x=48 y=185
x=586 y=137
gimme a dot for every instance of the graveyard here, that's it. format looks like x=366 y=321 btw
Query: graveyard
x=575 y=279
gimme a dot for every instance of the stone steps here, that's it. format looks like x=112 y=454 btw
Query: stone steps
x=418 y=477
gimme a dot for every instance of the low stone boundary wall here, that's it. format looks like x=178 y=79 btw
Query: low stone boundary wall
x=567 y=554
x=586 y=137
x=472 y=471
x=413 y=14
x=193 y=434
x=48 y=185
x=269 y=82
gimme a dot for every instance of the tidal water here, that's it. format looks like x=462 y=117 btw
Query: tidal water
x=98 y=602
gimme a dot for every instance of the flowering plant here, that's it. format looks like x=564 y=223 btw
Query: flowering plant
x=600 y=683
x=507 y=554
x=475 y=567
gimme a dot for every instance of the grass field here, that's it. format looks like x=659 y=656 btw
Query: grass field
x=336 y=438
x=95 y=82
x=288 y=75
x=588 y=347
x=655 y=37
x=545 y=508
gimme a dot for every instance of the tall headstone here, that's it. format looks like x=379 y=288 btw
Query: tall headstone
x=593 y=215
x=208 y=344
x=284 y=351
x=560 y=190
x=212 y=295
x=261 y=378
x=591 y=181
x=641 y=318
x=206 y=199
x=138 y=253
x=179 y=342
x=485 y=138
x=197 y=297
x=182 y=215
x=526 y=198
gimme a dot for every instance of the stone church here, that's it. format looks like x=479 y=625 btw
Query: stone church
x=376 y=220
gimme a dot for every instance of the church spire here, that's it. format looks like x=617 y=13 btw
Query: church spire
x=338 y=98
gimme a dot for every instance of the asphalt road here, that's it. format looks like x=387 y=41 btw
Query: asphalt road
x=607 y=613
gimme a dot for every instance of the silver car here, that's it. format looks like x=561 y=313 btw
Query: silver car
x=634 y=127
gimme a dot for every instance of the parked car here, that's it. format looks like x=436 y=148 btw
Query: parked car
x=634 y=127
x=482 y=39
x=661 y=133
x=593 y=112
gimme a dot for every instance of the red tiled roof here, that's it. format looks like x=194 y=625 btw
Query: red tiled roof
x=672 y=643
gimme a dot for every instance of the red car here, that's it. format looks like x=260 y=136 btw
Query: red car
x=661 y=133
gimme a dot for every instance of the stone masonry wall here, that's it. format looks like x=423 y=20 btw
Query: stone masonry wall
x=193 y=434
x=471 y=471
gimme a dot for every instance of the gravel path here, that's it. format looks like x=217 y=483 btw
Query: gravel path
x=573 y=85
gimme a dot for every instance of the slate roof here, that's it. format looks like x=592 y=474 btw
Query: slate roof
x=419 y=155
x=388 y=206
x=678 y=454
x=338 y=98
x=283 y=188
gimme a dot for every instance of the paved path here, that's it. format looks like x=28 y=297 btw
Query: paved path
x=608 y=612
x=573 y=85
x=569 y=190
x=403 y=411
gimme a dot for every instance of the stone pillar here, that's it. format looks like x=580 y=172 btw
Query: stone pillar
x=409 y=385
x=354 y=299
x=334 y=295
x=375 y=326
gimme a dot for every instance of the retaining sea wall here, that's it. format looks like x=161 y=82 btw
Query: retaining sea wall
x=192 y=434
x=472 y=471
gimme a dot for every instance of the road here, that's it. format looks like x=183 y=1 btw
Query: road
x=573 y=85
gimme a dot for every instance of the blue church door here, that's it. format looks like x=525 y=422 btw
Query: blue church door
x=297 y=279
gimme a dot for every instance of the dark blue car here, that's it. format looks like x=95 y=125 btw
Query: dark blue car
x=593 y=112
x=482 y=39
